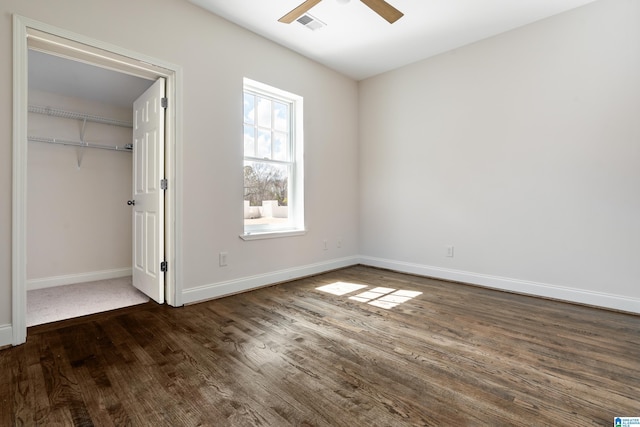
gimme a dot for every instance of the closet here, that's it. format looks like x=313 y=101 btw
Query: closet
x=79 y=175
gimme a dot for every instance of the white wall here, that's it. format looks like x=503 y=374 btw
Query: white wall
x=522 y=151
x=215 y=56
x=79 y=225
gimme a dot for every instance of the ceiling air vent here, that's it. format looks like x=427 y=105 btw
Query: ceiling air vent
x=311 y=22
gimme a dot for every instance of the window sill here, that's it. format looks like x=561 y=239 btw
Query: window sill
x=259 y=235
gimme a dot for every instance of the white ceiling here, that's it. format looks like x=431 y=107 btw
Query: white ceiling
x=76 y=79
x=355 y=42
x=360 y=44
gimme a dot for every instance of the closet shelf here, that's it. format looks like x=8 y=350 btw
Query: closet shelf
x=127 y=147
x=78 y=116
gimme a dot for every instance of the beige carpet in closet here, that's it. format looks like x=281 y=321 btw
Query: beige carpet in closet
x=66 y=302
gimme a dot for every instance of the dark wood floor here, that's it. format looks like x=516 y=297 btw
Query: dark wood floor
x=293 y=355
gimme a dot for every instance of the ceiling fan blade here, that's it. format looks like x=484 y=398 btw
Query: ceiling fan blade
x=298 y=11
x=384 y=9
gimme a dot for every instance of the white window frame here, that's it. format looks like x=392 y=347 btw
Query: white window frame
x=296 y=224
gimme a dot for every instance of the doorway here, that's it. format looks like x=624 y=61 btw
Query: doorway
x=79 y=171
x=37 y=36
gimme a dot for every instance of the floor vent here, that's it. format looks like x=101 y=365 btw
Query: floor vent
x=311 y=22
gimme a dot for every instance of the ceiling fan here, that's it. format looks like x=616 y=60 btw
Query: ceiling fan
x=381 y=7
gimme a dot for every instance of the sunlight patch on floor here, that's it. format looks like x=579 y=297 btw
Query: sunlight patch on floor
x=386 y=298
x=341 y=288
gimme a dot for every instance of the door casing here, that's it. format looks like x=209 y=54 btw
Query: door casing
x=29 y=33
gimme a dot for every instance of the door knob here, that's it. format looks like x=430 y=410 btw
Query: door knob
x=131 y=202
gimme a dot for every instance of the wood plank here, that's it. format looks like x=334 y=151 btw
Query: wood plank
x=293 y=355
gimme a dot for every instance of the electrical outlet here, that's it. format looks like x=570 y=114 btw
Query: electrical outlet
x=449 y=251
x=339 y=242
x=326 y=244
x=222 y=258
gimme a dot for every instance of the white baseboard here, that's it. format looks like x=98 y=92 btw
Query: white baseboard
x=70 y=279
x=6 y=335
x=580 y=296
x=220 y=289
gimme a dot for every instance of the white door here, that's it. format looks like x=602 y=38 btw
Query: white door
x=148 y=196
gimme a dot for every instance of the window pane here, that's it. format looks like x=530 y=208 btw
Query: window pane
x=266 y=190
x=281 y=116
x=280 y=146
x=249 y=108
x=264 y=112
x=264 y=145
x=249 y=141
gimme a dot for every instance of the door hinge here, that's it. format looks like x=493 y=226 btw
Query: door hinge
x=164 y=266
x=164 y=184
x=164 y=102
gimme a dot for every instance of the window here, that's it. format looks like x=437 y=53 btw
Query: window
x=273 y=167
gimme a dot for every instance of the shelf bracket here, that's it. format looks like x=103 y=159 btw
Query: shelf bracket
x=80 y=150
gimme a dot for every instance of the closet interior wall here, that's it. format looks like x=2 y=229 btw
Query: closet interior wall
x=79 y=224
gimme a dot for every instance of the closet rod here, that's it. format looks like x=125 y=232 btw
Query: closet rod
x=78 y=116
x=127 y=147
